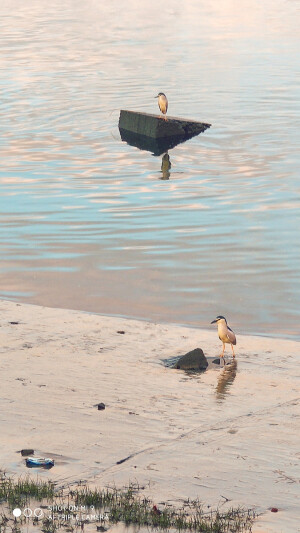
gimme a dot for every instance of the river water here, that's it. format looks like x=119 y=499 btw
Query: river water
x=87 y=221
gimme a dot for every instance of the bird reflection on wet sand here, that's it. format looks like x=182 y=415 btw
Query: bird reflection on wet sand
x=226 y=379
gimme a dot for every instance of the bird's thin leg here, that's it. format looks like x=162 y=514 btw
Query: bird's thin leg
x=222 y=354
x=233 y=351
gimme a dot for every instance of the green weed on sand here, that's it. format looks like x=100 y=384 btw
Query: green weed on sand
x=122 y=505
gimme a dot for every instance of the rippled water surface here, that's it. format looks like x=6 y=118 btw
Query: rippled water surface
x=87 y=221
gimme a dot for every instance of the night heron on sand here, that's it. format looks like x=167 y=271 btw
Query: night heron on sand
x=226 y=334
x=162 y=103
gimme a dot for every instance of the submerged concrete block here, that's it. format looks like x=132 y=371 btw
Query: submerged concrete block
x=156 y=127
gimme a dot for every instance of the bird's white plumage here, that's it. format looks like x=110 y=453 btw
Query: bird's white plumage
x=226 y=335
x=163 y=103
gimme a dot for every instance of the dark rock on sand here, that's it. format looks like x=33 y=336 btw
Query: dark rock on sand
x=194 y=360
x=101 y=406
x=28 y=451
x=216 y=361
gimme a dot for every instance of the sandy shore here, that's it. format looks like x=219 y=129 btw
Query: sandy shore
x=226 y=434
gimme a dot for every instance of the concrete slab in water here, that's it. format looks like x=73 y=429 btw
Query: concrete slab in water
x=156 y=127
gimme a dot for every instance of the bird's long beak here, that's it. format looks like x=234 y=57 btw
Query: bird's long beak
x=214 y=321
x=156 y=96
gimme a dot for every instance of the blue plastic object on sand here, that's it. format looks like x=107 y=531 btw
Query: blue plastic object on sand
x=39 y=461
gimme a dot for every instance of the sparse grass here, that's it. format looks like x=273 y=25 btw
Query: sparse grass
x=3 y=522
x=18 y=492
x=127 y=506
x=50 y=526
x=123 y=506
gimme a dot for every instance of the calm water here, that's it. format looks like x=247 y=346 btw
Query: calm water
x=86 y=220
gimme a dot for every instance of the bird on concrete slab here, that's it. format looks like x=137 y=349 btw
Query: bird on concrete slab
x=226 y=335
x=162 y=103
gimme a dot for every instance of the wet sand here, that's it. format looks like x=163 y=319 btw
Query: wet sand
x=228 y=434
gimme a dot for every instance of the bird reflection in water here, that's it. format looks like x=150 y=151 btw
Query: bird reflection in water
x=165 y=166
x=226 y=379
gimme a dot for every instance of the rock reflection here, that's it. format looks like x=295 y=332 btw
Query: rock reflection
x=226 y=379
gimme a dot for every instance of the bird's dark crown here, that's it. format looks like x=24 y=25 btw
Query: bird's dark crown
x=220 y=318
